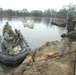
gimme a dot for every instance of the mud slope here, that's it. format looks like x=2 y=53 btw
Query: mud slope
x=37 y=64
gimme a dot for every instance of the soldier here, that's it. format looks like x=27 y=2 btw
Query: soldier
x=71 y=32
x=8 y=38
x=5 y=27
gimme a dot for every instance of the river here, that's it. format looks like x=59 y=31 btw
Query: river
x=42 y=32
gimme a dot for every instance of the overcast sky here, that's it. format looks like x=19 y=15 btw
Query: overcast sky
x=34 y=4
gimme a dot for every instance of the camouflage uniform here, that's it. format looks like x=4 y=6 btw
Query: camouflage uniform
x=8 y=40
x=6 y=27
x=71 y=33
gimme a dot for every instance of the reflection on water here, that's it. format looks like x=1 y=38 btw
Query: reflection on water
x=43 y=30
x=47 y=21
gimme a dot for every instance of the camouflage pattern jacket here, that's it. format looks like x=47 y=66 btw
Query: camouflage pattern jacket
x=8 y=35
x=5 y=28
x=71 y=29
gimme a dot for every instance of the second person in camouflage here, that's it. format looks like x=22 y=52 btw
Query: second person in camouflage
x=71 y=32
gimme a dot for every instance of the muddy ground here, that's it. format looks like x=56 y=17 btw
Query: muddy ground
x=37 y=64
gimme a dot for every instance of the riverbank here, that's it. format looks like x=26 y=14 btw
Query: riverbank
x=41 y=65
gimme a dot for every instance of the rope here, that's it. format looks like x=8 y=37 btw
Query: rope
x=65 y=54
x=53 y=57
x=56 y=56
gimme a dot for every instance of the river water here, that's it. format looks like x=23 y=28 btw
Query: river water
x=41 y=32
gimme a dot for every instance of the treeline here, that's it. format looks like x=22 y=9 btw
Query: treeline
x=38 y=13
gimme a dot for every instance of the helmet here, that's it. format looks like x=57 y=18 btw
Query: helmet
x=7 y=23
x=70 y=16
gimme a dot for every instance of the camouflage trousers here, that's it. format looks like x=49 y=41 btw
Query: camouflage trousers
x=9 y=46
x=65 y=43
